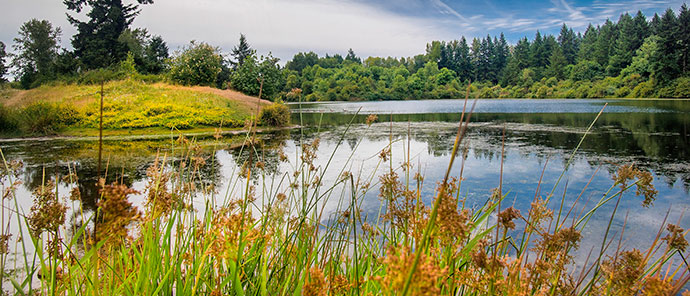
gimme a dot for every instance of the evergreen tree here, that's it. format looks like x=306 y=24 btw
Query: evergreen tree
x=241 y=51
x=155 y=55
x=538 y=52
x=588 y=44
x=643 y=63
x=135 y=42
x=668 y=47
x=433 y=51
x=97 y=43
x=642 y=30
x=684 y=38
x=521 y=54
x=502 y=52
x=604 y=45
x=550 y=45
x=475 y=58
x=3 y=67
x=36 y=49
x=485 y=65
x=66 y=63
x=446 y=58
x=557 y=63
x=464 y=67
x=625 y=46
x=511 y=73
x=417 y=62
x=568 y=43
x=352 y=57
x=654 y=24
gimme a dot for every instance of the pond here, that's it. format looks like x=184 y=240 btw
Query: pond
x=538 y=137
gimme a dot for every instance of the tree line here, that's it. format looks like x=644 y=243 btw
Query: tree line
x=632 y=57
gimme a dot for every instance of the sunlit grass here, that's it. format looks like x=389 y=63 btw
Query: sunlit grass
x=132 y=104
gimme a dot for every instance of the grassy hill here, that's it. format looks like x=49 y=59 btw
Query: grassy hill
x=129 y=105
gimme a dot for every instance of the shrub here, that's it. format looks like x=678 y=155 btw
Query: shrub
x=276 y=114
x=643 y=90
x=682 y=88
x=198 y=64
x=246 y=77
x=45 y=118
x=7 y=122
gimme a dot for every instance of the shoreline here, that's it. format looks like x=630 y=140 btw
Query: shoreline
x=153 y=136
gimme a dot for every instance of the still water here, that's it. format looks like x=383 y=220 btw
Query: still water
x=540 y=137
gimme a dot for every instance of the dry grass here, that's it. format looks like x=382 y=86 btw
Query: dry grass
x=80 y=95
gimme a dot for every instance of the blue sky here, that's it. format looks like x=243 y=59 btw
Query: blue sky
x=519 y=18
x=372 y=28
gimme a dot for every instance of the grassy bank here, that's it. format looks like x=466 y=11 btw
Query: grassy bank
x=269 y=235
x=130 y=106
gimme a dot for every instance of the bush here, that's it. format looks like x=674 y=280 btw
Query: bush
x=7 y=122
x=198 y=64
x=276 y=114
x=682 y=88
x=643 y=90
x=246 y=78
x=45 y=118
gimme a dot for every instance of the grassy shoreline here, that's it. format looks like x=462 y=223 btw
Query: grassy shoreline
x=136 y=134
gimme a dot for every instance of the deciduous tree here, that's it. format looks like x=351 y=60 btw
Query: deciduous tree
x=36 y=49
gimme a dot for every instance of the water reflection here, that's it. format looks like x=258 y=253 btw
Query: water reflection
x=658 y=141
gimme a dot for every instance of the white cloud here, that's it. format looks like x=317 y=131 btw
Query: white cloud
x=379 y=28
x=286 y=27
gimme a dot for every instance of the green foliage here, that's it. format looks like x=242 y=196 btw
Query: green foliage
x=682 y=89
x=248 y=77
x=97 y=43
x=46 y=118
x=3 y=66
x=37 y=48
x=8 y=122
x=302 y=60
x=128 y=67
x=276 y=114
x=197 y=64
x=352 y=57
x=586 y=70
x=150 y=53
x=643 y=63
x=155 y=55
x=557 y=64
x=241 y=52
x=666 y=64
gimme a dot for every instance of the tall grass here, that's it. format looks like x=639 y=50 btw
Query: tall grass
x=271 y=235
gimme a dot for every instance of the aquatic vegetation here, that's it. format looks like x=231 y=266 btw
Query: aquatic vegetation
x=275 y=115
